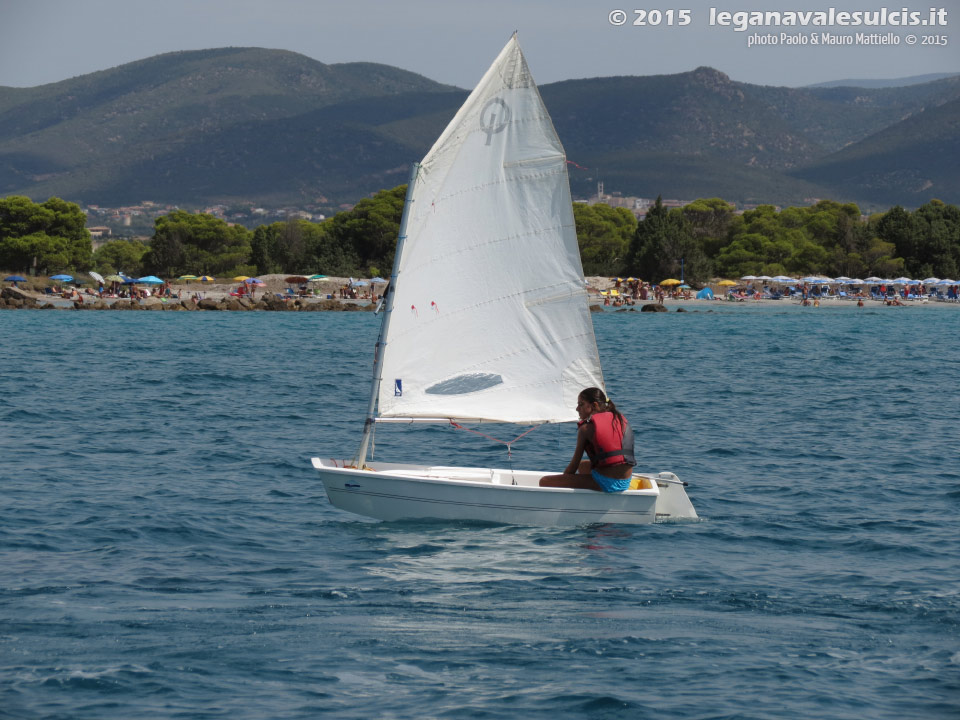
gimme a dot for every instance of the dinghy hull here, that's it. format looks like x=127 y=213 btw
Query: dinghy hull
x=394 y=492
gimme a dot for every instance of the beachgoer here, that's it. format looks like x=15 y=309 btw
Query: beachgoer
x=859 y=302
x=606 y=437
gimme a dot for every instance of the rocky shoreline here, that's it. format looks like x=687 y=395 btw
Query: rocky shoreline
x=12 y=298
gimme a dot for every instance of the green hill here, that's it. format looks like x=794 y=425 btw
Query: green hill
x=909 y=163
x=277 y=128
x=700 y=134
x=179 y=127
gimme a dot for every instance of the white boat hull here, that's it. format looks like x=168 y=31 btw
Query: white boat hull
x=392 y=491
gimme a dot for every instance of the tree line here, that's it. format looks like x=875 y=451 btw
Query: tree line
x=827 y=238
x=702 y=240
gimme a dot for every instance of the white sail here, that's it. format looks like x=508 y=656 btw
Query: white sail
x=490 y=319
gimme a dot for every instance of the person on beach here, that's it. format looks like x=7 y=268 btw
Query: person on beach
x=605 y=435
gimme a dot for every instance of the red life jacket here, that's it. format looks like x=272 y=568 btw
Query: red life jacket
x=612 y=441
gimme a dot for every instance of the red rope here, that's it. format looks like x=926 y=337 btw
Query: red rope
x=496 y=440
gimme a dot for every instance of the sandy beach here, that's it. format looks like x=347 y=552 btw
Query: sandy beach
x=276 y=294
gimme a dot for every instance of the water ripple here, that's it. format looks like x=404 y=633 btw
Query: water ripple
x=166 y=550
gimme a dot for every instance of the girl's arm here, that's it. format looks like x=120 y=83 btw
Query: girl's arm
x=582 y=438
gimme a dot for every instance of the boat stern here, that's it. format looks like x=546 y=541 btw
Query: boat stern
x=673 y=503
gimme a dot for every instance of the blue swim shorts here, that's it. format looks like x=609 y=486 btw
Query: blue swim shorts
x=610 y=484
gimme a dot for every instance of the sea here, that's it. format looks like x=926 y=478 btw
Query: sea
x=167 y=551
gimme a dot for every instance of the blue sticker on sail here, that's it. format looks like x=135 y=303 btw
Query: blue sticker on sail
x=398 y=388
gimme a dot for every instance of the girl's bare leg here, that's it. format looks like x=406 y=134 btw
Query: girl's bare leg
x=570 y=480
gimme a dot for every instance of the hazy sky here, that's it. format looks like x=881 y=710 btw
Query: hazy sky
x=453 y=41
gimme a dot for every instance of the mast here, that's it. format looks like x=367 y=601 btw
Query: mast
x=385 y=323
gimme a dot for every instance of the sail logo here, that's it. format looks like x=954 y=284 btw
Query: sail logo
x=494 y=118
x=398 y=388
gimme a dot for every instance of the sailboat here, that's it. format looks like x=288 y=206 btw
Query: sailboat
x=515 y=344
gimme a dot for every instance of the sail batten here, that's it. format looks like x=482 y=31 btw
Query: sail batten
x=490 y=278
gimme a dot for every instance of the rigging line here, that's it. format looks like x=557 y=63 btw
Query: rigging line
x=508 y=443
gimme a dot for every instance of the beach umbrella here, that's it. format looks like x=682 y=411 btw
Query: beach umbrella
x=296 y=280
x=947 y=281
x=684 y=287
x=254 y=281
x=902 y=281
x=931 y=281
x=843 y=280
x=62 y=278
x=241 y=278
x=206 y=279
x=15 y=278
x=315 y=278
x=812 y=279
x=782 y=279
x=874 y=280
x=359 y=283
x=188 y=277
x=749 y=277
x=96 y=276
x=149 y=280
x=727 y=283
x=377 y=279
x=671 y=281
x=113 y=278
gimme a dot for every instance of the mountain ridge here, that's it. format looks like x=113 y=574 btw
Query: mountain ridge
x=884 y=82
x=259 y=125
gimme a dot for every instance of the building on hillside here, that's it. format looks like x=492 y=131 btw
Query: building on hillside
x=637 y=205
x=99 y=231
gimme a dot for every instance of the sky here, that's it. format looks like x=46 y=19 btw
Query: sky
x=454 y=41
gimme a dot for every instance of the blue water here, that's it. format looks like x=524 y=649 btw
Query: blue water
x=166 y=551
